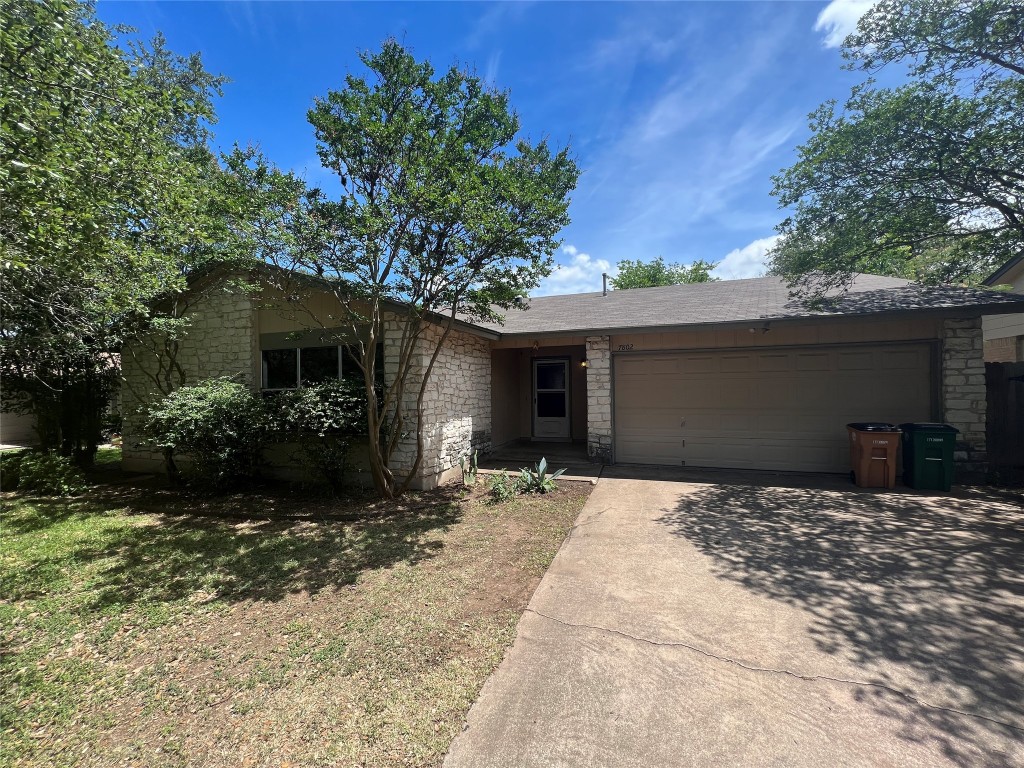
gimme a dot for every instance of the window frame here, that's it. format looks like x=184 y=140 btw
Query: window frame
x=342 y=350
x=298 y=367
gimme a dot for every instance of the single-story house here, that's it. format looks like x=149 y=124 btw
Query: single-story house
x=1004 y=334
x=731 y=374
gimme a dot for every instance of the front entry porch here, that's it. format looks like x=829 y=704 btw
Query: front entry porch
x=538 y=392
x=570 y=456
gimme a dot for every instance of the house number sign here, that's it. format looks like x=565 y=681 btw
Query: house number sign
x=625 y=347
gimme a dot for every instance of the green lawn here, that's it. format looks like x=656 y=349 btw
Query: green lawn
x=142 y=627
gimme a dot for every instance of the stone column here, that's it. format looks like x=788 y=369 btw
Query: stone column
x=963 y=393
x=599 y=399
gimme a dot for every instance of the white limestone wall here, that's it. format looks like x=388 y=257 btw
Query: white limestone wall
x=963 y=392
x=220 y=341
x=599 y=399
x=456 y=405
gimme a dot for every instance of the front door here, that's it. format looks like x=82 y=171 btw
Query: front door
x=551 y=399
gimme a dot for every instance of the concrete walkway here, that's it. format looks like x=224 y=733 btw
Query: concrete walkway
x=733 y=624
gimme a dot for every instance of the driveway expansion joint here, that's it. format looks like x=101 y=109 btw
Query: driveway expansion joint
x=772 y=670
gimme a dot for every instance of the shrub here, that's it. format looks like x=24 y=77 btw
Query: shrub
x=501 y=487
x=47 y=474
x=219 y=423
x=10 y=469
x=323 y=419
x=538 y=480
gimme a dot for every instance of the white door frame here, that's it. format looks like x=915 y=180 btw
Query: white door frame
x=552 y=427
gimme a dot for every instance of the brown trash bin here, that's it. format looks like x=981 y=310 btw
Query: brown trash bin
x=873 y=447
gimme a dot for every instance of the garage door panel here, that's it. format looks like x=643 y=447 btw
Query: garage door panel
x=782 y=410
x=896 y=360
x=645 y=448
x=857 y=361
x=774 y=363
x=813 y=361
x=699 y=364
x=737 y=364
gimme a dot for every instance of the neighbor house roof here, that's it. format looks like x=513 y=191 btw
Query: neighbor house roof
x=1003 y=274
x=734 y=301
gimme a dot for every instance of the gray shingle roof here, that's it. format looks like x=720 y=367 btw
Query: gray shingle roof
x=761 y=298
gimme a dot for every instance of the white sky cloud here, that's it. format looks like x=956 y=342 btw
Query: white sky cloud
x=581 y=273
x=747 y=261
x=839 y=18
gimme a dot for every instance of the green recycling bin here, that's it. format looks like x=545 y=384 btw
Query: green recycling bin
x=928 y=456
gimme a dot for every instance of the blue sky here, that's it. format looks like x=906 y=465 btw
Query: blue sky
x=678 y=113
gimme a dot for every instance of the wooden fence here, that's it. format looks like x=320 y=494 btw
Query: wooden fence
x=1005 y=387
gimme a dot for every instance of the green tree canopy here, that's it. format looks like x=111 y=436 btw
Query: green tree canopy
x=650 y=274
x=443 y=212
x=110 y=199
x=926 y=180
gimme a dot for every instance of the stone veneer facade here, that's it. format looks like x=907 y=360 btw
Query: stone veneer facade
x=221 y=341
x=599 y=399
x=456 y=404
x=963 y=393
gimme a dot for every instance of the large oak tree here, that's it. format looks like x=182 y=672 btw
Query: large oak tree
x=110 y=201
x=926 y=180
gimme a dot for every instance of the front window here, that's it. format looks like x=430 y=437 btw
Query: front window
x=319 y=364
x=280 y=368
x=303 y=366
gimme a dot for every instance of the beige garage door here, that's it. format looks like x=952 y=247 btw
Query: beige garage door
x=784 y=409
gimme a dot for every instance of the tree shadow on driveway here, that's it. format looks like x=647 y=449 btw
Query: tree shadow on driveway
x=922 y=595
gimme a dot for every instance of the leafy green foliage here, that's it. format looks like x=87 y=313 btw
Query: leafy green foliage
x=220 y=424
x=502 y=488
x=40 y=472
x=323 y=420
x=538 y=480
x=922 y=181
x=442 y=210
x=111 y=202
x=651 y=274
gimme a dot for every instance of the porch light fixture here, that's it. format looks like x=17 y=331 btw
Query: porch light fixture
x=583 y=363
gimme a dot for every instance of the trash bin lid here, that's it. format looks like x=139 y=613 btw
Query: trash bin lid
x=873 y=426
x=928 y=427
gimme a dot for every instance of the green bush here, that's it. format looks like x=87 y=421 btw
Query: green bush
x=538 y=480
x=323 y=419
x=47 y=474
x=220 y=424
x=10 y=469
x=501 y=487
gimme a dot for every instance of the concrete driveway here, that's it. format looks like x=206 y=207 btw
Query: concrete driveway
x=733 y=624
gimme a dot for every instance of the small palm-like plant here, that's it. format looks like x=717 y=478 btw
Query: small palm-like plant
x=538 y=480
x=469 y=469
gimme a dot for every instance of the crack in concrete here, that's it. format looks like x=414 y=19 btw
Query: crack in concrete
x=774 y=671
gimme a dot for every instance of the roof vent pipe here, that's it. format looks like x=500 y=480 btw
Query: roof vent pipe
x=604 y=283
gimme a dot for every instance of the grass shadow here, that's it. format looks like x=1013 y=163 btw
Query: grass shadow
x=153 y=547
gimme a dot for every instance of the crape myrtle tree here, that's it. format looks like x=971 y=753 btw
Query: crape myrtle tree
x=110 y=200
x=923 y=181
x=651 y=274
x=443 y=214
